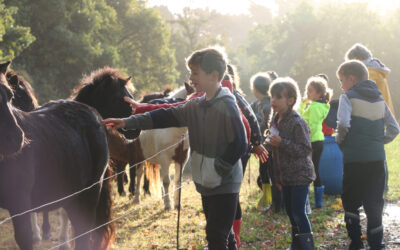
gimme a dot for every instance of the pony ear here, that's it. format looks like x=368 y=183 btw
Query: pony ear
x=4 y=67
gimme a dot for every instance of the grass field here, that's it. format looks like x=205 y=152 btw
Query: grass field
x=148 y=226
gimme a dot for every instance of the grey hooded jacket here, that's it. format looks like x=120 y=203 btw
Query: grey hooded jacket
x=216 y=135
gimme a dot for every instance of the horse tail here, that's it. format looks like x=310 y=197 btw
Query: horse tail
x=105 y=235
x=153 y=173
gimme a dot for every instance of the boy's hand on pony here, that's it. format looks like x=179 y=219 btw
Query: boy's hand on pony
x=260 y=152
x=275 y=140
x=134 y=104
x=115 y=123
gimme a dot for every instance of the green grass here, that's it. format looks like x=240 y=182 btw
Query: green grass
x=151 y=227
x=393 y=162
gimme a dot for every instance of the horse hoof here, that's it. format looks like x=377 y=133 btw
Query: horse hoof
x=136 y=201
x=177 y=207
x=122 y=194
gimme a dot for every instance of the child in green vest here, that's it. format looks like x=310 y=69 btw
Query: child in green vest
x=314 y=110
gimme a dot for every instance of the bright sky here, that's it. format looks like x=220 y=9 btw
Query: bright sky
x=233 y=7
x=241 y=6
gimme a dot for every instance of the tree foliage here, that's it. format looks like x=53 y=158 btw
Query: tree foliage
x=76 y=37
x=311 y=40
x=13 y=38
x=306 y=37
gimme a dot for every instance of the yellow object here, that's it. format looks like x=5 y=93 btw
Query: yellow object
x=379 y=77
x=266 y=198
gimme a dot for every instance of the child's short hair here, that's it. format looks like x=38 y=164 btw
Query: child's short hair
x=209 y=59
x=353 y=68
x=320 y=85
x=358 y=52
x=288 y=87
x=261 y=82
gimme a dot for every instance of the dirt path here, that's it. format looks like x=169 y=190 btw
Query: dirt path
x=391 y=223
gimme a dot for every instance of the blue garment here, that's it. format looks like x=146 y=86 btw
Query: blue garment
x=362 y=118
x=295 y=204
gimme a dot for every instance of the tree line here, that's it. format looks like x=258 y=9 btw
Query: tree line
x=55 y=42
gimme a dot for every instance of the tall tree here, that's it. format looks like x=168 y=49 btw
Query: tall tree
x=76 y=37
x=309 y=41
x=69 y=42
x=143 y=43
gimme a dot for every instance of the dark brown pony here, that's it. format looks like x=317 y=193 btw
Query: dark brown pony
x=24 y=99
x=48 y=154
x=95 y=90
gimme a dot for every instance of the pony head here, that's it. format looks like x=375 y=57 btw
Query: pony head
x=12 y=136
x=24 y=96
x=104 y=89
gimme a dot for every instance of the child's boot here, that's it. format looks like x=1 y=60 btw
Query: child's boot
x=319 y=196
x=353 y=230
x=236 y=229
x=266 y=198
x=306 y=241
x=375 y=237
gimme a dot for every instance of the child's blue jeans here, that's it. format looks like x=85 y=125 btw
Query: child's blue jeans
x=295 y=203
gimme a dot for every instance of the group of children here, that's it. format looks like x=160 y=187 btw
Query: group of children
x=223 y=130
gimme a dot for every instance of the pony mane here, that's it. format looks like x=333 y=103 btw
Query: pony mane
x=100 y=75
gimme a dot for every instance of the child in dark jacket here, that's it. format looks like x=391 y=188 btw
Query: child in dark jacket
x=293 y=167
x=262 y=108
x=217 y=142
x=365 y=124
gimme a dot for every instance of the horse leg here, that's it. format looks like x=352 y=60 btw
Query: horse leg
x=82 y=215
x=132 y=176
x=64 y=235
x=46 y=225
x=146 y=184
x=164 y=172
x=177 y=182
x=23 y=230
x=139 y=173
x=120 y=166
x=36 y=228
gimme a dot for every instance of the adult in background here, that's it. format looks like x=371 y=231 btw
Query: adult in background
x=377 y=70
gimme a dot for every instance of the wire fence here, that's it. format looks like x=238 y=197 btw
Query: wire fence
x=89 y=187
